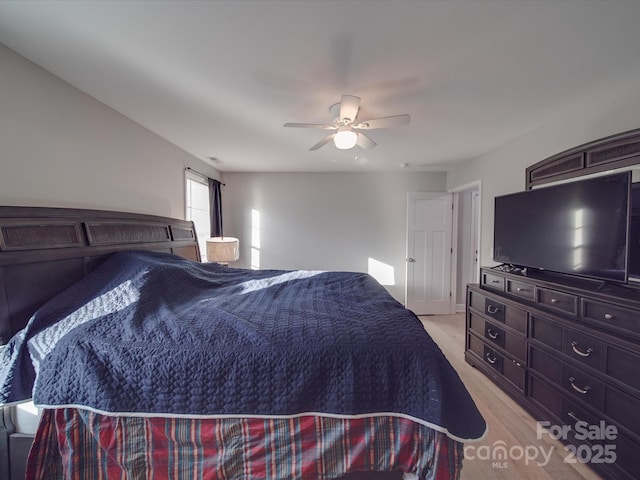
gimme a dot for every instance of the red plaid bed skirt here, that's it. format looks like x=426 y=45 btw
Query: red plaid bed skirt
x=76 y=444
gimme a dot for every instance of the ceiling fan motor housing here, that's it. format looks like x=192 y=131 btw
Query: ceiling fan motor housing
x=347 y=133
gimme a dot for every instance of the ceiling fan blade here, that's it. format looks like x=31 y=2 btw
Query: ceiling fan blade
x=349 y=106
x=365 y=142
x=323 y=142
x=384 y=122
x=324 y=126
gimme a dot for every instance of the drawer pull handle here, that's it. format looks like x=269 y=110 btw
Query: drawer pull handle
x=492 y=334
x=609 y=316
x=582 y=353
x=517 y=364
x=578 y=389
x=574 y=416
x=495 y=281
x=520 y=289
x=491 y=359
x=554 y=300
x=492 y=310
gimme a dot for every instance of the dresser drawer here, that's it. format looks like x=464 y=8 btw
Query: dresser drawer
x=572 y=380
x=513 y=344
x=546 y=395
x=580 y=347
x=520 y=289
x=476 y=345
x=514 y=371
x=626 y=449
x=627 y=453
x=510 y=369
x=486 y=353
x=619 y=407
x=493 y=358
x=561 y=408
x=546 y=365
x=584 y=349
x=511 y=316
x=516 y=319
x=562 y=302
x=574 y=415
x=488 y=330
x=494 y=335
x=494 y=309
x=622 y=408
x=624 y=366
x=495 y=282
x=565 y=411
x=615 y=361
x=547 y=332
x=583 y=386
x=611 y=317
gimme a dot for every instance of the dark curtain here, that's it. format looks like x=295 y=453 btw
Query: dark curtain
x=215 y=206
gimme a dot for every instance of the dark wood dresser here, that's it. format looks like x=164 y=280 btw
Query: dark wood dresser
x=568 y=351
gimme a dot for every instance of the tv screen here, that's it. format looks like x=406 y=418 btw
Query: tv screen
x=578 y=228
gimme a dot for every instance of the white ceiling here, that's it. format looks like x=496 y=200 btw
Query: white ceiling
x=219 y=78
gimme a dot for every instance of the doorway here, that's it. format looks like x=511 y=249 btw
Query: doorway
x=466 y=240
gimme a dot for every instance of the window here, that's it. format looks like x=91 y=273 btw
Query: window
x=197 y=208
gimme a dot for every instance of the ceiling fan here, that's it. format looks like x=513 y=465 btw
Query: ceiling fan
x=347 y=128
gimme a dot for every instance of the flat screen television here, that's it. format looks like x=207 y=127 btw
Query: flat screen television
x=577 y=228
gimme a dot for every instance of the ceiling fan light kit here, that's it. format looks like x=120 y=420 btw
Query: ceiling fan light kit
x=347 y=127
x=345 y=139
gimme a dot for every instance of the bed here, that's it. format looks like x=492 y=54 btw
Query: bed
x=148 y=363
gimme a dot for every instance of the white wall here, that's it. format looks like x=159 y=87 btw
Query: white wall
x=328 y=221
x=60 y=147
x=503 y=170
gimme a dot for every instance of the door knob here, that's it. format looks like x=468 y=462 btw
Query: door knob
x=411 y=260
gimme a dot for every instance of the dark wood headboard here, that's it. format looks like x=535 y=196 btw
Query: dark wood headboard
x=45 y=250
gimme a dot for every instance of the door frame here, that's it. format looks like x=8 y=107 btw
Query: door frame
x=475 y=185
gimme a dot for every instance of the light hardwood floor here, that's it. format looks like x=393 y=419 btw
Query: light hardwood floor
x=509 y=425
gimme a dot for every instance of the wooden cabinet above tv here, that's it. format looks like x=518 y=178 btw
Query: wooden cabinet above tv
x=609 y=153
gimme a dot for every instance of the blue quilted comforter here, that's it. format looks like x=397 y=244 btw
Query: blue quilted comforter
x=150 y=333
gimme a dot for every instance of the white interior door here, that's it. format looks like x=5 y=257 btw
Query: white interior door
x=429 y=228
